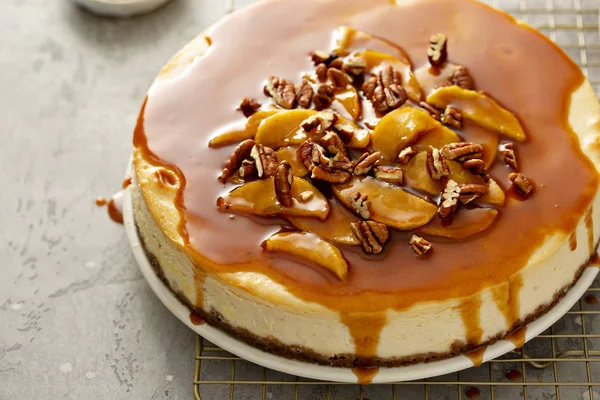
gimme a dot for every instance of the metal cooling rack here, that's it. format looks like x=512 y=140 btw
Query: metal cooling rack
x=562 y=363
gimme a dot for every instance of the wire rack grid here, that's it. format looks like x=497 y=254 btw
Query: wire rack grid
x=562 y=363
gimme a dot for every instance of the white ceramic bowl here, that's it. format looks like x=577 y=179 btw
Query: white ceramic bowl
x=406 y=373
x=121 y=8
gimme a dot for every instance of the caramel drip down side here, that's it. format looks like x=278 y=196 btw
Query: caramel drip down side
x=470 y=310
x=514 y=300
x=589 y=224
x=365 y=330
x=518 y=337
x=573 y=241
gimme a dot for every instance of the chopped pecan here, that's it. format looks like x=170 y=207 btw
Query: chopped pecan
x=306 y=196
x=434 y=112
x=452 y=117
x=248 y=169
x=241 y=153
x=471 y=191
x=283 y=184
x=405 y=155
x=354 y=66
x=507 y=152
x=419 y=245
x=323 y=121
x=324 y=97
x=338 y=77
x=321 y=72
x=366 y=162
x=360 y=203
x=436 y=165
x=322 y=57
x=334 y=144
x=305 y=152
x=304 y=94
x=389 y=174
x=372 y=235
x=266 y=160
x=522 y=183
x=384 y=90
x=438 y=49
x=475 y=165
x=282 y=91
x=449 y=199
x=248 y=106
x=460 y=78
x=345 y=130
x=331 y=175
x=462 y=151
x=337 y=63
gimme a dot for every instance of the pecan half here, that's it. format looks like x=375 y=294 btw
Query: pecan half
x=331 y=175
x=248 y=106
x=462 y=151
x=322 y=57
x=475 y=165
x=324 y=97
x=360 y=203
x=389 y=174
x=384 y=90
x=240 y=153
x=283 y=184
x=372 y=235
x=334 y=144
x=522 y=183
x=366 y=162
x=436 y=165
x=449 y=199
x=338 y=77
x=438 y=49
x=282 y=91
x=405 y=155
x=266 y=160
x=460 y=78
x=248 y=169
x=304 y=94
x=321 y=72
x=507 y=152
x=452 y=117
x=434 y=112
x=471 y=191
x=337 y=63
x=354 y=66
x=419 y=245
x=304 y=153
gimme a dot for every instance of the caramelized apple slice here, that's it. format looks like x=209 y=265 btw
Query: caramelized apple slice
x=404 y=126
x=283 y=129
x=436 y=137
x=494 y=196
x=417 y=177
x=461 y=175
x=480 y=109
x=290 y=154
x=375 y=59
x=463 y=224
x=431 y=77
x=347 y=40
x=252 y=124
x=390 y=205
x=335 y=228
x=259 y=198
x=310 y=247
x=347 y=103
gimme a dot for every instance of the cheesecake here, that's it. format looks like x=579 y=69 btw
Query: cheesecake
x=369 y=184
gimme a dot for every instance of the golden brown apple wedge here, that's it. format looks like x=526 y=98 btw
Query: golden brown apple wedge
x=390 y=205
x=417 y=177
x=461 y=175
x=464 y=223
x=235 y=136
x=431 y=77
x=479 y=108
x=259 y=198
x=335 y=228
x=290 y=154
x=309 y=247
x=494 y=196
x=283 y=129
x=347 y=103
x=405 y=126
x=348 y=40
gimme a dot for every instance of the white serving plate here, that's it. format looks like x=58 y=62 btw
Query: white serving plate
x=397 y=374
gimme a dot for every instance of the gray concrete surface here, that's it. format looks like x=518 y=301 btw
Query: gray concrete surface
x=77 y=320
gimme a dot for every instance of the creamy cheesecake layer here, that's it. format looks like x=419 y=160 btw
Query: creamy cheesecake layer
x=258 y=299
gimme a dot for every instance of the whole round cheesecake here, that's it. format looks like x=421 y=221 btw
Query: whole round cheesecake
x=365 y=184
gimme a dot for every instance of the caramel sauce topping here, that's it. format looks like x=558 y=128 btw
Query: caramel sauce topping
x=508 y=61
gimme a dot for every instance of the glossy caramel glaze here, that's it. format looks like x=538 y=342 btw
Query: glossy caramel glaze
x=476 y=356
x=508 y=61
x=114 y=212
x=518 y=337
x=365 y=375
x=573 y=241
